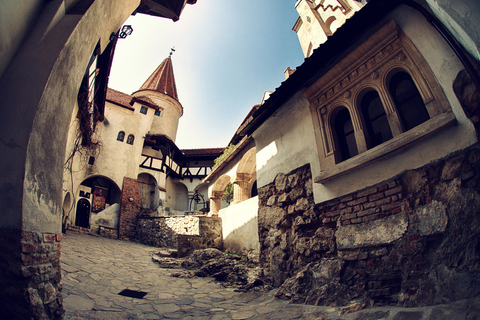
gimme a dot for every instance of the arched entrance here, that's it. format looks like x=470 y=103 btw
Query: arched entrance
x=245 y=186
x=148 y=191
x=82 y=215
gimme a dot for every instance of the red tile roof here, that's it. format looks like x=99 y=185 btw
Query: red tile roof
x=162 y=80
x=119 y=98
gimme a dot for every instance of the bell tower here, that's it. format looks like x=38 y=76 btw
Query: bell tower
x=319 y=19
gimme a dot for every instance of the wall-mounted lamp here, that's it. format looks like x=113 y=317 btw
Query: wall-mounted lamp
x=123 y=33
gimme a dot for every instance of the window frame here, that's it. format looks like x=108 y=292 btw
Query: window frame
x=130 y=142
x=142 y=109
x=122 y=134
x=371 y=66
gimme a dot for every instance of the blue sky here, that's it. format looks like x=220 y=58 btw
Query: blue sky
x=228 y=53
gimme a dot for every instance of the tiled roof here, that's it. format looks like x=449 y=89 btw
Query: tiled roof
x=145 y=100
x=203 y=152
x=162 y=80
x=120 y=98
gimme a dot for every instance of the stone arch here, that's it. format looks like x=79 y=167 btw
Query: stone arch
x=245 y=177
x=100 y=191
x=148 y=191
x=201 y=203
x=217 y=192
x=181 y=197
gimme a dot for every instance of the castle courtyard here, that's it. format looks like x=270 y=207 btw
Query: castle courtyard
x=95 y=270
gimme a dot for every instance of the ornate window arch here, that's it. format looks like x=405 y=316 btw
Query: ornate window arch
x=343 y=134
x=374 y=117
x=406 y=95
x=408 y=101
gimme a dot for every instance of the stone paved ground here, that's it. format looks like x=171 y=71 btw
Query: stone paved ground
x=95 y=270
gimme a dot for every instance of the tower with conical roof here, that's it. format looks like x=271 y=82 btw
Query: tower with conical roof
x=160 y=92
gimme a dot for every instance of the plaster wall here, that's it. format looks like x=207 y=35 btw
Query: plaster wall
x=461 y=18
x=240 y=227
x=286 y=141
x=41 y=86
x=167 y=124
x=16 y=19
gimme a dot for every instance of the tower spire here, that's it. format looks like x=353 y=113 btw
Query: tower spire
x=162 y=79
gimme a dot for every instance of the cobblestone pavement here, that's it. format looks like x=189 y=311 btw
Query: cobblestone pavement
x=95 y=270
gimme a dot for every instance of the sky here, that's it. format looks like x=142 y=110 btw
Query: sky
x=227 y=54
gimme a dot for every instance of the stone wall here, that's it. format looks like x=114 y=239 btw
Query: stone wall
x=210 y=236
x=30 y=285
x=184 y=233
x=164 y=231
x=129 y=209
x=412 y=240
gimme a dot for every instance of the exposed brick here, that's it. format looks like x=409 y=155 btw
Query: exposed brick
x=349 y=216
x=346 y=199
x=383 y=187
x=48 y=237
x=393 y=191
x=382 y=202
x=58 y=237
x=393 y=205
x=367 y=192
x=357 y=220
x=375 y=197
x=357 y=201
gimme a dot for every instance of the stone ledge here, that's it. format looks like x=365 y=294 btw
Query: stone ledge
x=388 y=148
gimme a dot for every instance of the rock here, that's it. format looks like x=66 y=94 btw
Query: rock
x=352 y=308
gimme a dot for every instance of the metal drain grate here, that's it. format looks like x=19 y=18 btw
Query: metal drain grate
x=133 y=293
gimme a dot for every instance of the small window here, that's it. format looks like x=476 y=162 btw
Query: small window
x=345 y=133
x=376 y=123
x=159 y=113
x=143 y=110
x=409 y=102
x=130 y=139
x=121 y=136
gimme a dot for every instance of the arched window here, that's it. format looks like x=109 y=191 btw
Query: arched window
x=376 y=123
x=408 y=101
x=121 y=136
x=130 y=139
x=347 y=145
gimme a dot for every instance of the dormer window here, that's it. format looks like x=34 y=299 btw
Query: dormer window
x=143 y=110
x=159 y=113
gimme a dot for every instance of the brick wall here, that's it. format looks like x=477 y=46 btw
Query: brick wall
x=129 y=209
x=412 y=240
x=30 y=279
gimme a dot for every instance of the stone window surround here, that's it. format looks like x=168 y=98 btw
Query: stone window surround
x=370 y=67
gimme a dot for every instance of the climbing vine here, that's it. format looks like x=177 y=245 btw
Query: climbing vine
x=86 y=141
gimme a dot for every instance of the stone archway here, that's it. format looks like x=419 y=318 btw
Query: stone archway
x=245 y=177
x=148 y=191
x=217 y=193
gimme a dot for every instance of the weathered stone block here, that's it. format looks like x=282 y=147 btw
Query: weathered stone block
x=376 y=232
x=432 y=218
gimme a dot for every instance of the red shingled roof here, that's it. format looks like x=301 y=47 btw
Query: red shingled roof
x=119 y=98
x=162 y=80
